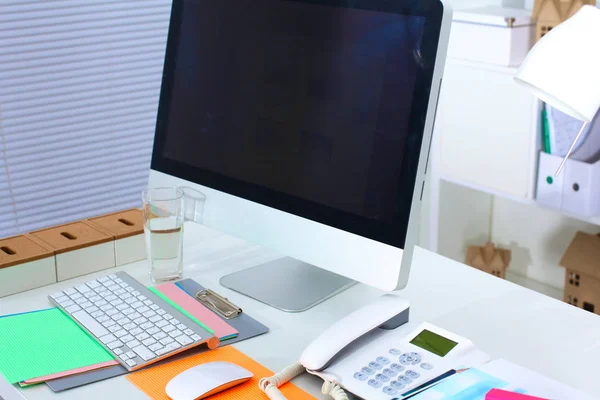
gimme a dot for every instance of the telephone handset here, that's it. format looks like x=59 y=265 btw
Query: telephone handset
x=375 y=354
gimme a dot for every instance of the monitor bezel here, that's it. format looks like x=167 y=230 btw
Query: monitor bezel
x=394 y=233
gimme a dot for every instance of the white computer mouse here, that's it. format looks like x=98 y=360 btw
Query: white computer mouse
x=205 y=380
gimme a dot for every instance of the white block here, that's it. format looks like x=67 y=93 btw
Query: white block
x=85 y=260
x=550 y=187
x=130 y=249
x=581 y=192
x=492 y=35
x=26 y=276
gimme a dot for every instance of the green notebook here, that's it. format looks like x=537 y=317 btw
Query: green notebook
x=45 y=342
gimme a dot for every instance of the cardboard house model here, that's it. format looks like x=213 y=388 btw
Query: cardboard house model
x=582 y=275
x=550 y=13
x=489 y=259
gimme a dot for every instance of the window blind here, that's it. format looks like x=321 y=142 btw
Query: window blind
x=79 y=88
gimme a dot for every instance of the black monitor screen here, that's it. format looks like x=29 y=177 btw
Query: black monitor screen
x=305 y=106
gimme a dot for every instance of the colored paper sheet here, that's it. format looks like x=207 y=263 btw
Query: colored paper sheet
x=43 y=343
x=69 y=372
x=180 y=309
x=221 y=329
x=153 y=381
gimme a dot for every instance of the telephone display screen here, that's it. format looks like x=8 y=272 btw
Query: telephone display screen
x=434 y=343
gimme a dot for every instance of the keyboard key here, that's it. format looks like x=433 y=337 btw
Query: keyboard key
x=142 y=336
x=100 y=303
x=143 y=352
x=121 y=333
x=95 y=299
x=132 y=344
x=188 y=332
x=127 y=338
x=175 y=321
x=184 y=340
x=103 y=319
x=60 y=297
x=115 y=344
x=135 y=293
x=82 y=289
x=106 y=339
x=91 y=309
x=70 y=291
x=111 y=312
x=146 y=325
x=93 y=284
x=118 y=351
x=131 y=363
x=110 y=297
x=113 y=287
x=124 y=357
x=140 y=320
x=110 y=323
x=161 y=323
x=85 y=304
x=135 y=315
x=149 y=314
x=124 y=285
x=162 y=351
x=160 y=335
x=155 y=347
x=173 y=346
x=117 y=279
x=160 y=311
x=130 y=354
x=137 y=304
x=175 y=333
x=130 y=289
x=142 y=298
x=149 y=303
x=67 y=303
x=90 y=323
x=148 y=341
x=103 y=279
x=181 y=327
x=196 y=338
x=154 y=307
x=130 y=326
x=72 y=309
x=114 y=328
x=125 y=296
x=116 y=302
x=136 y=331
x=89 y=294
x=112 y=276
x=117 y=316
x=130 y=300
x=97 y=314
x=166 y=341
x=120 y=291
x=168 y=328
x=143 y=309
x=76 y=296
x=168 y=317
x=123 y=306
x=155 y=318
x=153 y=330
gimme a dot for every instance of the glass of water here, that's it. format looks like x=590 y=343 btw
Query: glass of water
x=163 y=210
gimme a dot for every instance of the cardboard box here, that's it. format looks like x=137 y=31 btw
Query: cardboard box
x=582 y=274
x=25 y=264
x=489 y=259
x=491 y=35
x=79 y=249
x=551 y=13
x=127 y=229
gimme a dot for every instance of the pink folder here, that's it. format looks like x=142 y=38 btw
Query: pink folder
x=497 y=394
x=221 y=328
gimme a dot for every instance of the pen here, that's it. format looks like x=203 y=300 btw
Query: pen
x=426 y=385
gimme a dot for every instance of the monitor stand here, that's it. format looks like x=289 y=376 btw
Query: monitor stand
x=287 y=284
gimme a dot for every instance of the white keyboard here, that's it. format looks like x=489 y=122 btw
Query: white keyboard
x=131 y=322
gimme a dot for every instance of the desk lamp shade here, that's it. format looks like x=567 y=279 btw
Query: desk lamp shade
x=563 y=69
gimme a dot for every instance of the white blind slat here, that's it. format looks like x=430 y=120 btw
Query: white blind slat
x=79 y=88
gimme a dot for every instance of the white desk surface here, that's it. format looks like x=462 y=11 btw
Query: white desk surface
x=502 y=319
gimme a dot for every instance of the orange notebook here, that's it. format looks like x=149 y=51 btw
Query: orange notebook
x=153 y=380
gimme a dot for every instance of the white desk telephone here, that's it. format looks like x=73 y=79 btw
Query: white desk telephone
x=375 y=354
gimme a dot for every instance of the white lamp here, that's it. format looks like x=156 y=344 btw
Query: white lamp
x=563 y=68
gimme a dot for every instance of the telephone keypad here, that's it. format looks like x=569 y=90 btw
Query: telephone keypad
x=410 y=358
x=375 y=383
x=375 y=365
x=390 y=390
x=426 y=366
x=398 y=385
x=390 y=372
x=382 y=378
x=367 y=370
x=395 y=352
x=412 y=374
x=405 y=380
x=382 y=360
x=361 y=376
x=397 y=367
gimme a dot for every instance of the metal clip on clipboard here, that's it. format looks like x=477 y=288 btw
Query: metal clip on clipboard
x=218 y=304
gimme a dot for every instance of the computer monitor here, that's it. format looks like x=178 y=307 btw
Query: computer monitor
x=307 y=123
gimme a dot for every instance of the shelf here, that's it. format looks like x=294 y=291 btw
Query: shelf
x=522 y=200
